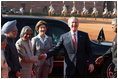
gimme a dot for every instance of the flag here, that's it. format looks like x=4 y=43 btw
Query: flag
x=101 y=36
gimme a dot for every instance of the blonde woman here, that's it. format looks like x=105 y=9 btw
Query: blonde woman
x=41 y=44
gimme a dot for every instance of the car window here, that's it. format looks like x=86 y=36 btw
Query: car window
x=54 y=30
x=55 y=27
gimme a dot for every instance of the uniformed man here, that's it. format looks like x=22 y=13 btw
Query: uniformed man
x=105 y=10
x=73 y=9
x=94 y=9
x=51 y=7
x=64 y=8
x=112 y=51
x=114 y=10
x=84 y=9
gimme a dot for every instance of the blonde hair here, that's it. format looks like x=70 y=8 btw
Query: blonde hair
x=41 y=22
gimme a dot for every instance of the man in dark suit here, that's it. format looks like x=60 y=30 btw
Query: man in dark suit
x=77 y=50
x=10 y=30
x=112 y=51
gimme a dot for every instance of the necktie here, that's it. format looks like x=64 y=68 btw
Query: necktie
x=74 y=41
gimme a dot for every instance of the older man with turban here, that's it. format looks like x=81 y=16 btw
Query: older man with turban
x=10 y=30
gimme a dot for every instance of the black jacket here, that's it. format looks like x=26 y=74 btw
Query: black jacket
x=11 y=56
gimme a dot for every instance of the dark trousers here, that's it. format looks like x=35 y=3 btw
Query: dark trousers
x=77 y=75
x=12 y=75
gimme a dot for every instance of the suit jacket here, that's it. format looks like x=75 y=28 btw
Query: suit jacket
x=113 y=52
x=74 y=59
x=26 y=56
x=11 y=55
x=39 y=48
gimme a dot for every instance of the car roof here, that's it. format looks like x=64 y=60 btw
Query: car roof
x=32 y=20
x=32 y=17
x=35 y=19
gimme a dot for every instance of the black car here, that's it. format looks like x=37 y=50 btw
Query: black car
x=56 y=28
x=15 y=11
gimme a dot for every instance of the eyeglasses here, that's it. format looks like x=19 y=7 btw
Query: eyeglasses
x=28 y=34
x=14 y=31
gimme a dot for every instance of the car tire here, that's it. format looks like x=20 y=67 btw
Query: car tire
x=106 y=69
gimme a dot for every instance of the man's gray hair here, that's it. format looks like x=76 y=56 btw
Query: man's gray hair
x=72 y=18
x=114 y=20
x=24 y=30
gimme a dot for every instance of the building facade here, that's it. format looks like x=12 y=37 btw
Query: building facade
x=43 y=6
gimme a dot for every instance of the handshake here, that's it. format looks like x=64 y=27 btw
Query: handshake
x=43 y=56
